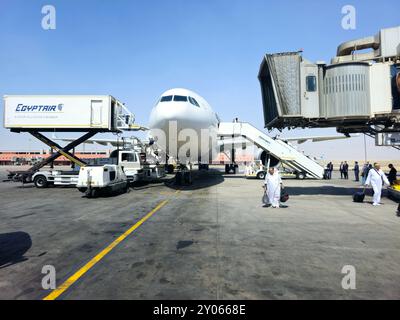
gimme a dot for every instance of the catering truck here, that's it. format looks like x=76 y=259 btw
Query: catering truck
x=36 y=114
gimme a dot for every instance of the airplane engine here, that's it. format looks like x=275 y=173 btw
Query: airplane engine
x=264 y=157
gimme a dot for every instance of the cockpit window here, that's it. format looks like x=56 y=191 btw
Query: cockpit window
x=166 y=99
x=180 y=99
x=194 y=102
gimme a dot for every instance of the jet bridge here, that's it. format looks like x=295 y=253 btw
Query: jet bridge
x=276 y=148
x=359 y=92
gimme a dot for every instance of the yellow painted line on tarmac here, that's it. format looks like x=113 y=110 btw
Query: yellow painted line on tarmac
x=77 y=275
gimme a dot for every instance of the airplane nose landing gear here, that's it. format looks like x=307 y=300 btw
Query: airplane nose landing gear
x=183 y=176
x=231 y=168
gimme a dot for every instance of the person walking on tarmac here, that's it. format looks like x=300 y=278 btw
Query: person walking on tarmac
x=346 y=170
x=392 y=176
x=357 y=171
x=367 y=167
x=329 y=169
x=273 y=184
x=377 y=178
x=341 y=168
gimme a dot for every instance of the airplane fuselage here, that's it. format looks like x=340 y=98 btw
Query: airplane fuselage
x=188 y=122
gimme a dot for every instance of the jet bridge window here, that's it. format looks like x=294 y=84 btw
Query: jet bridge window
x=311 y=82
x=180 y=98
x=166 y=99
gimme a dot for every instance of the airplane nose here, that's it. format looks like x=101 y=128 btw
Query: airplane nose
x=186 y=115
x=173 y=111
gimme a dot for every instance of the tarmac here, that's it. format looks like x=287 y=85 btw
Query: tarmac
x=211 y=240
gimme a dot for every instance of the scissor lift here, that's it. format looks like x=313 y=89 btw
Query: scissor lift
x=26 y=175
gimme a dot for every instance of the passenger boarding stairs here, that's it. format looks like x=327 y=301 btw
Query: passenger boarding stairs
x=277 y=148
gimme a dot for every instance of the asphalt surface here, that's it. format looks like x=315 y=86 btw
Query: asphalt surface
x=211 y=240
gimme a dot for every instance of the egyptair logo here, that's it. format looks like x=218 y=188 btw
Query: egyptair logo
x=60 y=107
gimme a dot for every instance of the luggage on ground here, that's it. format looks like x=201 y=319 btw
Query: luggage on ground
x=359 y=196
x=284 y=196
x=265 y=199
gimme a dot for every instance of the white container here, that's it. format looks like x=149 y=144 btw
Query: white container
x=63 y=113
x=105 y=179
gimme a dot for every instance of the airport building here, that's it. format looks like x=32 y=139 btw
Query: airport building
x=11 y=158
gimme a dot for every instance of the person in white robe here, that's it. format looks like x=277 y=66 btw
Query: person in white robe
x=376 y=179
x=273 y=183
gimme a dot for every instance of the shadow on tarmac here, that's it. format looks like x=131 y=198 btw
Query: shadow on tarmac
x=13 y=246
x=200 y=180
x=325 y=190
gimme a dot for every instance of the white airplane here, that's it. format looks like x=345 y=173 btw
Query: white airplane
x=188 y=122
x=180 y=113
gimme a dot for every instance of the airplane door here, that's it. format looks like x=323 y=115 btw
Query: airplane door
x=309 y=90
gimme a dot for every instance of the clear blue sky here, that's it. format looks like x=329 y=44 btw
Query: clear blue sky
x=135 y=50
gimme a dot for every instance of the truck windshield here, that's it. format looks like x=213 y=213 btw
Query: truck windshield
x=128 y=157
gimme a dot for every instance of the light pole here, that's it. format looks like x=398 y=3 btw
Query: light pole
x=365 y=148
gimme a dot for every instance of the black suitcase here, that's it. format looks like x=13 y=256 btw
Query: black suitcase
x=359 y=197
x=284 y=196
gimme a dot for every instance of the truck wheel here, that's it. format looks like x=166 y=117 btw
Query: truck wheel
x=301 y=176
x=227 y=169
x=170 y=169
x=40 y=182
x=94 y=193
x=91 y=193
x=261 y=175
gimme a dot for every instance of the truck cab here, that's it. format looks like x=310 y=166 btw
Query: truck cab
x=135 y=165
x=131 y=164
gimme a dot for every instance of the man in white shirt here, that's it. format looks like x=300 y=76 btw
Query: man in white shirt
x=273 y=184
x=377 y=178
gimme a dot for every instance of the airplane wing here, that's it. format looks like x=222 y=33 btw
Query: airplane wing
x=121 y=142
x=239 y=141
x=233 y=142
x=301 y=140
x=110 y=142
x=103 y=142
